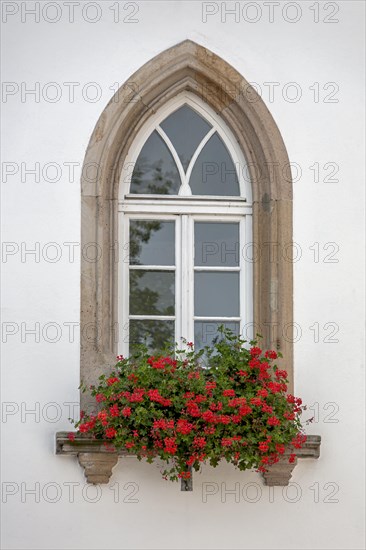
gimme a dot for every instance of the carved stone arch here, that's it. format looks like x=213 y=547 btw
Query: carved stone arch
x=186 y=66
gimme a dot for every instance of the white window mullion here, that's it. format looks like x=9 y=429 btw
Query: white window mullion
x=246 y=248
x=178 y=279
x=152 y=317
x=186 y=277
x=153 y=267
x=123 y=288
x=184 y=187
x=207 y=137
x=190 y=270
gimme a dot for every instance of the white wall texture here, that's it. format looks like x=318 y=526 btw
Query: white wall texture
x=324 y=507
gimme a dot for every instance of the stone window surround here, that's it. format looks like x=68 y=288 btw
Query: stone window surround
x=190 y=67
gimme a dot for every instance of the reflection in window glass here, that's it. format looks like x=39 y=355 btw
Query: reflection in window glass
x=155 y=171
x=216 y=294
x=214 y=172
x=152 y=242
x=206 y=331
x=154 y=334
x=185 y=129
x=152 y=292
x=216 y=244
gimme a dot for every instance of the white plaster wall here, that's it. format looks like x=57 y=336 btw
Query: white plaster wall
x=35 y=290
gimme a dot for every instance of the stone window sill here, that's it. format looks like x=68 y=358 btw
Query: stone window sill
x=98 y=461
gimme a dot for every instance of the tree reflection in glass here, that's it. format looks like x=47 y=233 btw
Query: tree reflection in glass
x=155 y=171
x=152 y=291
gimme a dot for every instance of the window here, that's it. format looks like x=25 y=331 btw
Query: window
x=175 y=86
x=185 y=220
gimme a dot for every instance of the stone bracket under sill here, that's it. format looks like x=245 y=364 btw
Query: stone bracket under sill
x=98 y=461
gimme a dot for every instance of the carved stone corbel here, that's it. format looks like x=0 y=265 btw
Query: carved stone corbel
x=94 y=455
x=280 y=473
x=98 y=466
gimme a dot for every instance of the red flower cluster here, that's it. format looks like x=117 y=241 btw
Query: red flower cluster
x=273 y=421
x=126 y=411
x=263 y=446
x=170 y=445
x=279 y=374
x=280 y=448
x=168 y=407
x=256 y=401
x=193 y=409
x=229 y=393
x=162 y=362
x=237 y=402
x=196 y=458
x=296 y=401
x=255 y=352
x=298 y=441
x=163 y=424
x=154 y=395
x=184 y=427
x=270 y=354
x=184 y=475
x=114 y=410
x=275 y=387
x=199 y=442
x=137 y=396
x=85 y=427
x=110 y=433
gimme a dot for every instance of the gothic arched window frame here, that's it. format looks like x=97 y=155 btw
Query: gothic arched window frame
x=186 y=67
x=185 y=209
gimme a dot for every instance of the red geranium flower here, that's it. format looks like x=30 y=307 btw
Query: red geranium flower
x=255 y=351
x=263 y=446
x=126 y=411
x=273 y=421
x=110 y=433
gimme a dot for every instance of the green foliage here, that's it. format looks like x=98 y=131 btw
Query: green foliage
x=184 y=407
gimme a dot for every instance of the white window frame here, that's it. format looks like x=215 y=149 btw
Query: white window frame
x=185 y=209
x=218 y=125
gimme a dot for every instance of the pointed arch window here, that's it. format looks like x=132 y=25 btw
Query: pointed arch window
x=167 y=212
x=185 y=218
x=186 y=86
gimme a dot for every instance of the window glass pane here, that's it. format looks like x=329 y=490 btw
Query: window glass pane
x=206 y=331
x=155 y=170
x=216 y=244
x=185 y=128
x=216 y=294
x=152 y=242
x=152 y=292
x=214 y=171
x=154 y=334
